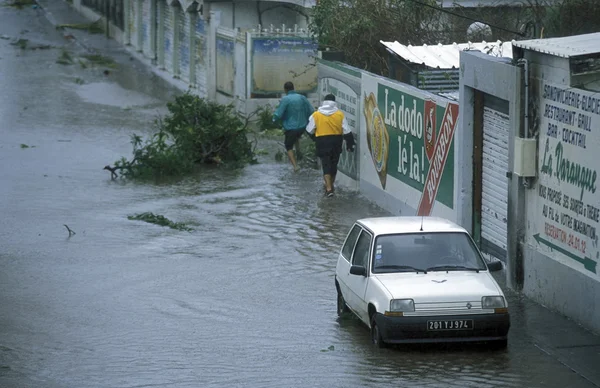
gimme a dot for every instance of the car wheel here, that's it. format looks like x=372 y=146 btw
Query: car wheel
x=342 y=307
x=376 y=334
x=500 y=345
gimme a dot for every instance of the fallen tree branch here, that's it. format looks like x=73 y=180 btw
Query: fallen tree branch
x=71 y=232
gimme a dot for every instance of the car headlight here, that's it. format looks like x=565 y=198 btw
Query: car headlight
x=493 y=302
x=402 y=305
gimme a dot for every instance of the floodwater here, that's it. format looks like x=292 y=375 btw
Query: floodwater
x=246 y=299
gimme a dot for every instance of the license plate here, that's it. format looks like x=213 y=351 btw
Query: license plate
x=457 y=324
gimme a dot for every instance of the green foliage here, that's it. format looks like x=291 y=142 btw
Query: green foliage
x=208 y=131
x=195 y=131
x=100 y=60
x=154 y=158
x=65 y=58
x=20 y=4
x=265 y=118
x=571 y=17
x=92 y=28
x=158 y=219
x=355 y=27
x=21 y=43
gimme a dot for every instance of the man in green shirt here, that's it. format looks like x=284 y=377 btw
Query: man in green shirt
x=294 y=110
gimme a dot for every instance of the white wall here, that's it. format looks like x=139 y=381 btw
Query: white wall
x=202 y=73
x=245 y=15
x=562 y=250
x=418 y=177
x=552 y=260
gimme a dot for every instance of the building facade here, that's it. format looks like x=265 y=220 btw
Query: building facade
x=542 y=111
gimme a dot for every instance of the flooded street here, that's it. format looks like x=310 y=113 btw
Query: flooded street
x=246 y=299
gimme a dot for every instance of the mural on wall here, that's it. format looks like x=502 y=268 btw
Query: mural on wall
x=276 y=60
x=410 y=138
x=568 y=202
x=348 y=102
x=225 y=65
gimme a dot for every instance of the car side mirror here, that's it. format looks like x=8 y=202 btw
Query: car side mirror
x=358 y=270
x=495 y=265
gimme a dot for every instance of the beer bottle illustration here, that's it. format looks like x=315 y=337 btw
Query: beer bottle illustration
x=378 y=139
x=430 y=127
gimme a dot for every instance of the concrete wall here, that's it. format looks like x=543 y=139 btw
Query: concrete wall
x=183 y=41
x=412 y=171
x=553 y=217
x=561 y=242
x=248 y=15
x=400 y=165
x=345 y=83
x=497 y=77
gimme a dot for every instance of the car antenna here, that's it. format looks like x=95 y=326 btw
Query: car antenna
x=422 y=223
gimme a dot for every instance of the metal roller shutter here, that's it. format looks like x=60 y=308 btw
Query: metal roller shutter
x=200 y=52
x=147 y=28
x=168 y=39
x=494 y=207
x=184 y=26
x=133 y=25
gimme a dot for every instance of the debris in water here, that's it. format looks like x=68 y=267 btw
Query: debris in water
x=22 y=43
x=71 y=232
x=20 y=4
x=100 y=60
x=158 y=219
x=92 y=28
x=65 y=58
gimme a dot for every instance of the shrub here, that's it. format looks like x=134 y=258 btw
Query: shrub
x=195 y=131
x=265 y=118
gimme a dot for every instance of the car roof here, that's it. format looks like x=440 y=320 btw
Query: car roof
x=412 y=224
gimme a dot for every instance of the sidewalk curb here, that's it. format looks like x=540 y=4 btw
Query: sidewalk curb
x=50 y=17
x=180 y=85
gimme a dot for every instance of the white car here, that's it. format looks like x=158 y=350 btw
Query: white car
x=420 y=279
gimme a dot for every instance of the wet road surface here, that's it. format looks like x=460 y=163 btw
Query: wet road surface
x=245 y=299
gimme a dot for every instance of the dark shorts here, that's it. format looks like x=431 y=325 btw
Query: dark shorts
x=329 y=149
x=291 y=137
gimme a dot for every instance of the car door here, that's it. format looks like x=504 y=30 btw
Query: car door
x=344 y=258
x=357 y=284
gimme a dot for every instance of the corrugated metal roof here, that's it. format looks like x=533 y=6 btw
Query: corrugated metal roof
x=566 y=47
x=446 y=56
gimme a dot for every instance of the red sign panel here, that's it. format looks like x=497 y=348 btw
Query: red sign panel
x=438 y=160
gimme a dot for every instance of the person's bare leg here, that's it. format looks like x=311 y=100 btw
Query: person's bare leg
x=333 y=181
x=292 y=159
x=298 y=153
x=328 y=182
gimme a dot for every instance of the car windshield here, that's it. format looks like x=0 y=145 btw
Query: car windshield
x=419 y=252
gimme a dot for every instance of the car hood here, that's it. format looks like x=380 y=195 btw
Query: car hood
x=439 y=286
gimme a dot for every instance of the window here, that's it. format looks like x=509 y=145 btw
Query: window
x=400 y=252
x=361 y=252
x=350 y=242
